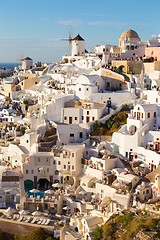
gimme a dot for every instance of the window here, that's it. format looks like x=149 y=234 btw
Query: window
x=46 y=159
x=71 y=135
x=86 y=152
x=102 y=191
x=87 y=112
x=59 y=163
x=138 y=108
x=68 y=178
x=134 y=114
x=68 y=162
x=142 y=115
x=8 y=158
x=54 y=162
x=26 y=171
x=135 y=156
x=87 y=89
x=35 y=82
x=81 y=134
x=72 y=154
x=82 y=117
x=47 y=169
x=75 y=118
x=79 y=89
x=65 y=118
x=148 y=115
x=69 y=167
x=156 y=99
x=147 y=191
x=56 y=172
x=154 y=114
x=92 y=118
x=72 y=167
x=64 y=166
x=27 y=141
x=32 y=171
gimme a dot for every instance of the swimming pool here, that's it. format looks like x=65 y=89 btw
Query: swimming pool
x=41 y=194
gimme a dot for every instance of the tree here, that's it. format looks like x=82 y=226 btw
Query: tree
x=22 y=130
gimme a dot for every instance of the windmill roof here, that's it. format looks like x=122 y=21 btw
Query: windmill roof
x=26 y=58
x=78 y=37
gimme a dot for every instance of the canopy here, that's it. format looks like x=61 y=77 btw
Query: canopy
x=24 y=212
x=34 y=190
x=58 y=185
x=49 y=191
x=37 y=213
x=10 y=210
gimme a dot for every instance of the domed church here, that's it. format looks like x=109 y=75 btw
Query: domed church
x=128 y=35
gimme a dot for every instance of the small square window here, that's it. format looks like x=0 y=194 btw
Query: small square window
x=68 y=162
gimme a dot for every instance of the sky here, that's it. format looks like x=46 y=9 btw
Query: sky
x=35 y=28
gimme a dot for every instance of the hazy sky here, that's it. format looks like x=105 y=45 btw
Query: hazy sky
x=34 y=27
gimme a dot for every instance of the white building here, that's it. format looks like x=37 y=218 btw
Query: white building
x=139 y=138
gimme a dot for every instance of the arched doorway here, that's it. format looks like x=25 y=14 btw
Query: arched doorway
x=65 y=60
x=43 y=184
x=69 y=180
x=28 y=185
x=132 y=129
x=120 y=69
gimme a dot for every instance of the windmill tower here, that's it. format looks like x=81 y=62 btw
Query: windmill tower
x=78 y=46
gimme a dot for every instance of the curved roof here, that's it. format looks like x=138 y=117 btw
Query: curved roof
x=78 y=38
x=129 y=34
x=26 y=58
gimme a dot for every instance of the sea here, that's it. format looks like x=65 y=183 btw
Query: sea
x=10 y=65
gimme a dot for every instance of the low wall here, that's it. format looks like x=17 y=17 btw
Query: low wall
x=21 y=228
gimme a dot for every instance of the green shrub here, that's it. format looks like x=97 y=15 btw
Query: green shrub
x=109 y=230
x=125 y=219
x=116 y=125
x=97 y=233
